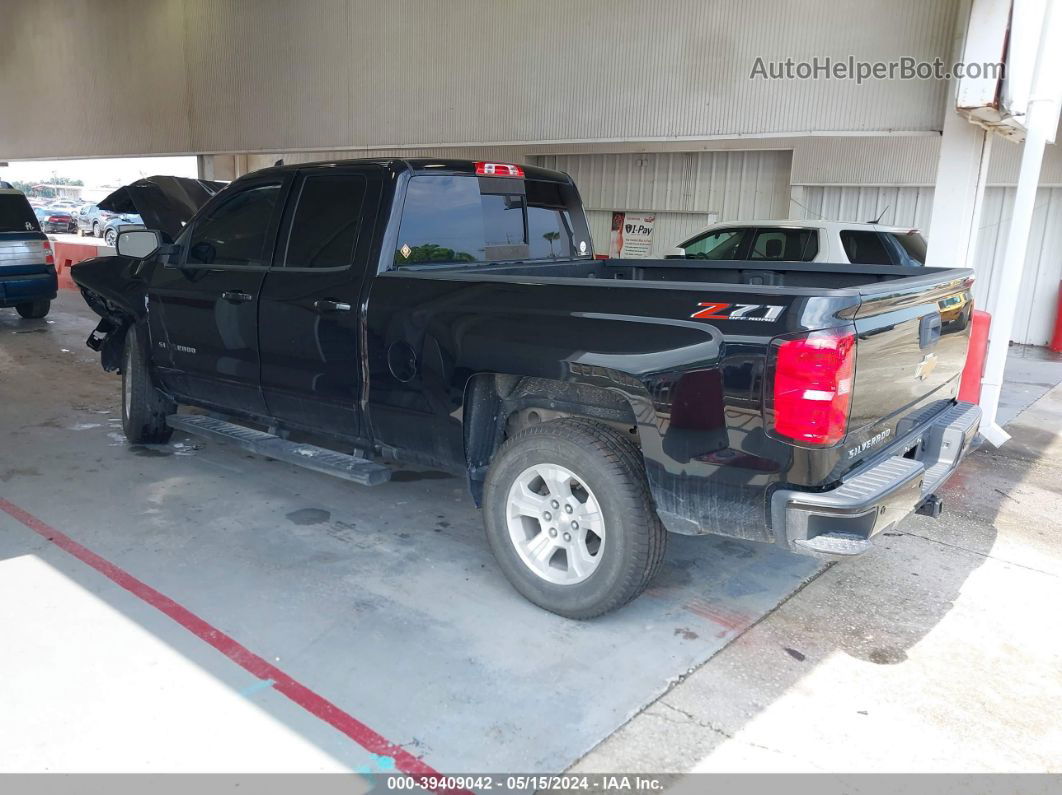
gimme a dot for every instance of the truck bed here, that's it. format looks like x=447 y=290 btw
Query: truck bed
x=819 y=275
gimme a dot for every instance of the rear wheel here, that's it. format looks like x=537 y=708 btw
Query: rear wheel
x=144 y=408
x=569 y=517
x=33 y=310
x=95 y=228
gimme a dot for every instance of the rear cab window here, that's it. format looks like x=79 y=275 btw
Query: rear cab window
x=469 y=219
x=16 y=215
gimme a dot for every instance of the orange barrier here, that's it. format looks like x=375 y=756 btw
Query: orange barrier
x=67 y=254
x=1056 y=340
x=970 y=385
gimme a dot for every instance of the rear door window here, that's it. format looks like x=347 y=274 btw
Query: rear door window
x=909 y=248
x=16 y=215
x=469 y=219
x=327 y=219
x=865 y=248
x=723 y=244
x=785 y=245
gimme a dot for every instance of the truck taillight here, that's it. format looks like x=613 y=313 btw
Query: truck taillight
x=811 y=386
x=498 y=170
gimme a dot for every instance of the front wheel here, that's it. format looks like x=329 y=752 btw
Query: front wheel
x=34 y=310
x=110 y=237
x=144 y=408
x=569 y=517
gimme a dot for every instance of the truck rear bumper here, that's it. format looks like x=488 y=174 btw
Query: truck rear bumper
x=24 y=287
x=843 y=520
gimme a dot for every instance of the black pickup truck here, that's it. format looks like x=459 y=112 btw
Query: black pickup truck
x=452 y=314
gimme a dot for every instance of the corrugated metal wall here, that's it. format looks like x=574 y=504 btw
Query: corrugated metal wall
x=902 y=160
x=685 y=189
x=127 y=77
x=911 y=206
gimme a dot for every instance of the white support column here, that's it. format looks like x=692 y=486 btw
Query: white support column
x=205 y=166
x=959 y=190
x=1045 y=101
x=219 y=167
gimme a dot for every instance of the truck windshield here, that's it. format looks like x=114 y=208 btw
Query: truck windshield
x=468 y=219
x=16 y=215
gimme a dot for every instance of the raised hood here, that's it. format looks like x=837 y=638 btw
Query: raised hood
x=164 y=203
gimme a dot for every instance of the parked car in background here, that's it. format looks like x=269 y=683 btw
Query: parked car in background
x=27 y=267
x=808 y=241
x=55 y=220
x=91 y=220
x=120 y=222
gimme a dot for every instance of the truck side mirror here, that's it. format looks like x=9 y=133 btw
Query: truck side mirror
x=138 y=243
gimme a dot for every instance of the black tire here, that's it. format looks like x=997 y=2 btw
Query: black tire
x=612 y=469
x=95 y=228
x=110 y=237
x=34 y=310
x=144 y=408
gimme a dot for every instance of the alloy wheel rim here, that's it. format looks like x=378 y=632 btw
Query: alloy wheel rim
x=555 y=524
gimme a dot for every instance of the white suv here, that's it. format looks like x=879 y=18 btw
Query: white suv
x=808 y=241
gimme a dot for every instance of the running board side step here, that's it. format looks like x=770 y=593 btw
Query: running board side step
x=308 y=456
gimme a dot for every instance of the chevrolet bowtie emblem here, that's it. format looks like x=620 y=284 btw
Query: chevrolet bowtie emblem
x=925 y=367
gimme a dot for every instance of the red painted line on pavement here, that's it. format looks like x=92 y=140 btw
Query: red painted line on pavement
x=231 y=648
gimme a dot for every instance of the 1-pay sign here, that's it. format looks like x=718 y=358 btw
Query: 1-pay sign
x=632 y=235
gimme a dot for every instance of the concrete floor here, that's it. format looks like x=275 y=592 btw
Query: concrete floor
x=929 y=653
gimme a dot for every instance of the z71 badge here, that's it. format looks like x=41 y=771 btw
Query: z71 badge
x=765 y=313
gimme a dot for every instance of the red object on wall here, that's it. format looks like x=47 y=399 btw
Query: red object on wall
x=970 y=385
x=1056 y=340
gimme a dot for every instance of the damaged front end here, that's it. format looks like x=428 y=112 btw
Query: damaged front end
x=115 y=287
x=113 y=290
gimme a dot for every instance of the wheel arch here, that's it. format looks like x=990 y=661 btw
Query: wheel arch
x=497 y=403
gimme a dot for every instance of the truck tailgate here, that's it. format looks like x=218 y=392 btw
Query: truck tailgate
x=912 y=340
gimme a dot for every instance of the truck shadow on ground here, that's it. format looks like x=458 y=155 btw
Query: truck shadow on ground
x=1001 y=505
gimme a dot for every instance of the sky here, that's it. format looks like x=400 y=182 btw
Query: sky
x=99 y=172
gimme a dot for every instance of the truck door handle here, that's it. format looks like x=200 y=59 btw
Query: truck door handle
x=236 y=297
x=327 y=305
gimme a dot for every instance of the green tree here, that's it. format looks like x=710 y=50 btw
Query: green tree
x=551 y=236
x=431 y=252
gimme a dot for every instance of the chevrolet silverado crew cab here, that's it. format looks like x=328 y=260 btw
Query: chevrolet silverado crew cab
x=451 y=314
x=27 y=266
